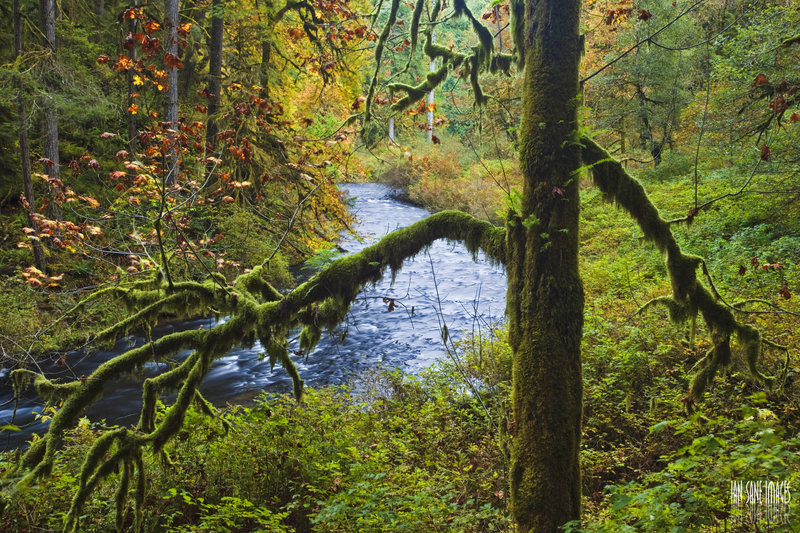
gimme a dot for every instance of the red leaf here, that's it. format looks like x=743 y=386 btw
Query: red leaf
x=172 y=61
x=103 y=59
x=765 y=152
x=644 y=15
x=785 y=292
x=761 y=79
x=357 y=103
x=435 y=139
x=795 y=117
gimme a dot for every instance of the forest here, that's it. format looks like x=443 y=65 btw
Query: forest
x=184 y=190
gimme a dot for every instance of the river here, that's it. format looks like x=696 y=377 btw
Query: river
x=442 y=286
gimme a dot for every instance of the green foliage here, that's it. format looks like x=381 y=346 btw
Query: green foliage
x=402 y=455
x=674 y=166
x=693 y=489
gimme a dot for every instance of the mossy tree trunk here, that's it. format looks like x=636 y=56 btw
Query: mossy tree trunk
x=545 y=294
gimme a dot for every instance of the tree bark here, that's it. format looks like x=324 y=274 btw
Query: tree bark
x=133 y=129
x=24 y=150
x=50 y=118
x=545 y=293
x=429 y=114
x=215 y=71
x=171 y=109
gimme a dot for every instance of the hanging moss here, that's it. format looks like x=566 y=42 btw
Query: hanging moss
x=416 y=92
x=518 y=31
x=689 y=295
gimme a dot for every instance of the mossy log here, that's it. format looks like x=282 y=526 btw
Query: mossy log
x=256 y=310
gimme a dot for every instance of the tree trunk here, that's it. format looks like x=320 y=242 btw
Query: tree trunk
x=429 y=116
x=171 y=110
x=50 y=122
x=133 y=129
x=215 y=71
x=545 y=294
x=24 y=150
x=391 y=130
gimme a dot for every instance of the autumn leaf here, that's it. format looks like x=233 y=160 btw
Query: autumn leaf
x=103 y=59
x=761 y=79
x=133 y=109
x=108 y=135
x=645 y=15
x=228 y=199
x=357 y=103
x=765 y=152
x=172 y=61
x=784 y=291
x=151 y=26
x=795 y=117
x=435 y=139
x=93 y=164
x=742 y=270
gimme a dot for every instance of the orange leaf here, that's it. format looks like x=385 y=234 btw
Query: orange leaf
x=795 y=117
x=761 y=79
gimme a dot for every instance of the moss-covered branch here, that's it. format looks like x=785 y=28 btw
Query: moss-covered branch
x=690 y=296
x=256 y=311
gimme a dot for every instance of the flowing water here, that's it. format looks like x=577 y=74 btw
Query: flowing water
x=440 y=286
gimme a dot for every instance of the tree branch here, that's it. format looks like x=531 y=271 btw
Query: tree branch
x=689 y=295
x=256 y=310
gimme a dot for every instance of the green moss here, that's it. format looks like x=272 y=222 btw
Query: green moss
x=689 y=294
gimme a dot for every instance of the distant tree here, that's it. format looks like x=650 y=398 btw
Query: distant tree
x=171 y=104
x=24 y=150
x=52 y=164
